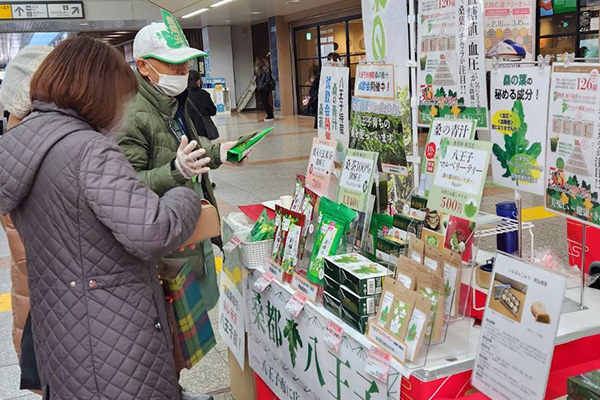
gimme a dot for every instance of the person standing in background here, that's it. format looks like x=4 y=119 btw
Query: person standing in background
x=15 y=99
x=265 y=84
x=201 y=107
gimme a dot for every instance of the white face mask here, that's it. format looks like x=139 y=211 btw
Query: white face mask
x=169 y=85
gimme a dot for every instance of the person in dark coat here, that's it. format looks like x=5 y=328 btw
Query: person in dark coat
x=92 y=232
x=265 y=84
x=313 y=103
x=202 y=102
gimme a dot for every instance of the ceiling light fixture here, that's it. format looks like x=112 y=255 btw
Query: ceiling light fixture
x=255 y=12
x=193 y=14
x=220 y=3
x=84 y=24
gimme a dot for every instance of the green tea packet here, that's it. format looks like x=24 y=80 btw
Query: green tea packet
x=263 y=229
x=432 y=287
x=244 y=145
x=380 y=225
x=416 y=328
x=333 y=226
x=288 y=239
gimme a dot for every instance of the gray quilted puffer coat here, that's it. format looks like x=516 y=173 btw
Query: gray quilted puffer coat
x=92 y=232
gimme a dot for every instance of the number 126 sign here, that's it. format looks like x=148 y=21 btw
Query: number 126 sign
x=460 y=173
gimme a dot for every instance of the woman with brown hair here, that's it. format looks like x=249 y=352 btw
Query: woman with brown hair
x=92 y=232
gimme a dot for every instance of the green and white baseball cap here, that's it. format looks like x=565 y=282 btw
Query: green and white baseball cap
x=164 y=41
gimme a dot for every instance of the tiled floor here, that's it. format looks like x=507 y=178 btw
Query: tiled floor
x=269 y=175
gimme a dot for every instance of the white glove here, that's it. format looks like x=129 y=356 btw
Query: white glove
x=188 y=160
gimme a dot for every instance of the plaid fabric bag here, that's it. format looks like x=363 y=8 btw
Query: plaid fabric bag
x=195 y=333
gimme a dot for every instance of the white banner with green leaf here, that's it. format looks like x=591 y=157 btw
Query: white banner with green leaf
x=291 y=357
x=385 y=24
x=519 y=102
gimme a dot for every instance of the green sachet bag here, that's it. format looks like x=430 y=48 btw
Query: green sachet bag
x=264 y=228
x=380 y=224
x=334 y=224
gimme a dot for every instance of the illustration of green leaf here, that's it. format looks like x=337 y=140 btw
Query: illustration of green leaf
x=444 y=146
x=565 y=107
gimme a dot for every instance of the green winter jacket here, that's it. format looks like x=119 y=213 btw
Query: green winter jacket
x=150 y=146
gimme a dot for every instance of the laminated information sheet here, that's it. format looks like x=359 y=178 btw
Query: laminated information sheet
x=572 y=166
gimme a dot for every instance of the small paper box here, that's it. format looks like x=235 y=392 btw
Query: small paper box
x=359 y=306
x=335 y=264
x=332 y=304
x=365 y=279
x=359 y=324
x=332 y=287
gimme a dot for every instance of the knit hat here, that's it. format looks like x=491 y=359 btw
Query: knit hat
x=14 y=91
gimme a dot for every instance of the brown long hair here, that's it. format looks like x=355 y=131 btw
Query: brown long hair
x=88 y=76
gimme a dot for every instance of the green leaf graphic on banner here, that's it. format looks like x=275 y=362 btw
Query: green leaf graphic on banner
x=293 y=336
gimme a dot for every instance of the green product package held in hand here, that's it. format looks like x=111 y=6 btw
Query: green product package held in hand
x=263 y=229
x=245 y=144
x=334 y=224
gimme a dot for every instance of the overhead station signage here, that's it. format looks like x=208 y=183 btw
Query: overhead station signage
x=42 y=10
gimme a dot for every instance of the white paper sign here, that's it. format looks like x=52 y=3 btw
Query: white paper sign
x=378 y=364
x=375 y=81
x=510 y=24
x=232 y=244
x=333 y=111
x=303 y=285
x=264 y=281
x=321 y=166
x=519 y=97
x=231 y=318
x=518 y=331
x=296 y=303
x=333 y=336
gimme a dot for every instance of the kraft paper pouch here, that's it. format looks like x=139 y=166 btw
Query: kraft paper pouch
x=406 y=272
x=433 y=260
x=417 y=325
x=432 y=287
x=400 y=312
x=416 y=250
x=452 y=281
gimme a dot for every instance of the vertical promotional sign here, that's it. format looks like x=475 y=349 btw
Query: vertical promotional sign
x=572 y=172
x=320 y=166
x=385 y=23
x=519 y=99
x=518 y=331
x=441 y=128
x=333 y=113
x=460 y=177
x=510 y=29
x=357 y=179
x=451 y=61
x=231 y=318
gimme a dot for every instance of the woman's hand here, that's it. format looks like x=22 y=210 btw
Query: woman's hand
x=225 y=147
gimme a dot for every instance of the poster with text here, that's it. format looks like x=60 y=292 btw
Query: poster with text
x=519 y=99
x=292 y=357
x=320 y=166
x=231 y=318
x=518 y=331
x=356 y=179
x=510 y=29
x=459 y=177
x=375 y=81
x=441 y=128
x=333 y=113
x=572 y=168
x=451 y=61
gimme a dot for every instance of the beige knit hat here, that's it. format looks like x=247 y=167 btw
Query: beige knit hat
x=14 y=91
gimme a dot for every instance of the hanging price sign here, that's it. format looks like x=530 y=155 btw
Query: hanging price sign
x=232 y=244
x=378 y=364
x=333 y=336
x=264 y=281
x=296 y=303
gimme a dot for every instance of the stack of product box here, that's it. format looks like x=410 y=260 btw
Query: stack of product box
x=585 y=386
x=353 y=286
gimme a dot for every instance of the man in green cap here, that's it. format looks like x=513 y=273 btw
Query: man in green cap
x=162 y=144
